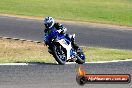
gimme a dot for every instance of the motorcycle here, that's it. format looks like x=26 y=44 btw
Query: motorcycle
x=62 y=49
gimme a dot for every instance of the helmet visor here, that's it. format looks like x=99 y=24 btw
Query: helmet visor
x=48 y=25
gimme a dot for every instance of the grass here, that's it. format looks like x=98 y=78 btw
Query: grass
x=12 y=51
x=106 y=54
x=18 y=51
x=117 y=12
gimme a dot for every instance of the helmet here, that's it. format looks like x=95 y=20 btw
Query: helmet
x=49 y=22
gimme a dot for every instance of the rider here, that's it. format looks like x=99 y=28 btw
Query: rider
x=50 y=25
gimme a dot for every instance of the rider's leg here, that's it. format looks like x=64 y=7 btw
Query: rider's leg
x=72 y=39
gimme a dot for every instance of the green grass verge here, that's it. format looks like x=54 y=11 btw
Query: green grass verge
x=106 y=54
x=104 y=11
x=12 y=51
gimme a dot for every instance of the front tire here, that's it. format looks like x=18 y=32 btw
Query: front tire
x=59 y=53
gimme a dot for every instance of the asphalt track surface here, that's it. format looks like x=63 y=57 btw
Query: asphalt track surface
x=57 y=76
x=48 y=75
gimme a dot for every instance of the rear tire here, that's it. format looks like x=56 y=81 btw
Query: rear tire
x=80 y=57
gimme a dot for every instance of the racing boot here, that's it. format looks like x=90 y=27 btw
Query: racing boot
x=72 y=39
x=50 y=50
x=75 y=46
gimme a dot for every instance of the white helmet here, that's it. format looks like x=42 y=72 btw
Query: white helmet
x=49 y=22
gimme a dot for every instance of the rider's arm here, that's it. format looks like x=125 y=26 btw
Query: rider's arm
x=45 y=37
x=45 y=30
x=61 y=28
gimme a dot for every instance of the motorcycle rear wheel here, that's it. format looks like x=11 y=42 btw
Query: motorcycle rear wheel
x=79 y=56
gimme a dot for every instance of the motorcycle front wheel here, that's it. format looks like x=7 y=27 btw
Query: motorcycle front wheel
x=59 y=53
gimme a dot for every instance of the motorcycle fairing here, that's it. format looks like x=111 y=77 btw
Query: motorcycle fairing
x=67 y=46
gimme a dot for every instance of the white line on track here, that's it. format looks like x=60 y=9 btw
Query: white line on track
x=104 y=61
x=114 y=61
x=14 y=64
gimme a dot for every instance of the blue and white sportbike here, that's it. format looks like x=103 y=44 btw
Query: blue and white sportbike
x=62 y=49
